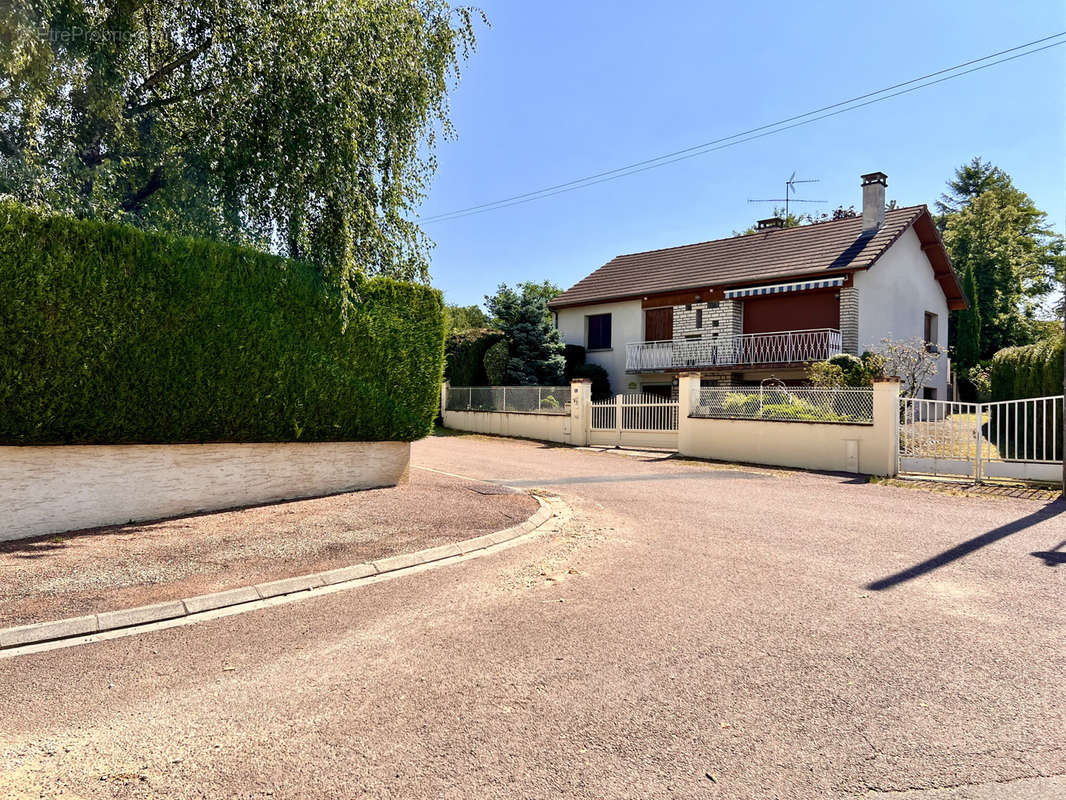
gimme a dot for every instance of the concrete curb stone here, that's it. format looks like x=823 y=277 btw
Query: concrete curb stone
x=43 y=631
x=343 y=574
x=299 y=583
x=125 y=617
x=37 y=632
x=230 y=597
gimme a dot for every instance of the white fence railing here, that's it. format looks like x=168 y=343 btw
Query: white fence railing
x=634 y=412
x=1008 y=438
x=786 y=404
x=781 y=347
x=530 y=399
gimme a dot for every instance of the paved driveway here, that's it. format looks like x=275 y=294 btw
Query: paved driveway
x=694 y=632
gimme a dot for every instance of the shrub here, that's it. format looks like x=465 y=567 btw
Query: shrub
x=574 y=355
x=845 y=369
x=496 y=360
x=114 y=335
x=464 y=356
x=601 y=382
x=741 y=404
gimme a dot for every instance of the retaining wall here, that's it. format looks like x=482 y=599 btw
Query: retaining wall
x=62 y=488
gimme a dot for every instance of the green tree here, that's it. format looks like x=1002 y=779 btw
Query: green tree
x=533 y=343
x=306 y=128
x=970 y=180
x=995 y=232
x=968 y=335
x=506 y=297
x=464 y=318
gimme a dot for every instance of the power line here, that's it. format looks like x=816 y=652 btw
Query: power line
x=752 y=133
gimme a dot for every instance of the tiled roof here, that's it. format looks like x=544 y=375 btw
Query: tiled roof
x=825 y=247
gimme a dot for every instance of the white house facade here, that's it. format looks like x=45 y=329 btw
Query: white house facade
x=769 y=303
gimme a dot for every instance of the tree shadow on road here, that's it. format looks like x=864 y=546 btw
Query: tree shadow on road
x=1053 y=557
x=970 y=545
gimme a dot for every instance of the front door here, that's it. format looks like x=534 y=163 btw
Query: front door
x=658 y=324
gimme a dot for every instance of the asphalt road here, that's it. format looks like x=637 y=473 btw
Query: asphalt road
x=693 y=632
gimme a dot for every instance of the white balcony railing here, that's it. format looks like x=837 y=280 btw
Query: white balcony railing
x=780 y=347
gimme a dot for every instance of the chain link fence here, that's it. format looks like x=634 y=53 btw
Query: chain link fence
x=530 y=399
x=786 y=404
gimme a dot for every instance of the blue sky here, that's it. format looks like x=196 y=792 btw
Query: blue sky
x=559 y=90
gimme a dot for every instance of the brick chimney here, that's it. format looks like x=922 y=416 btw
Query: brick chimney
x=873 y=201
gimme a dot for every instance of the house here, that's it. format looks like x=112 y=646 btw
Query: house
x=768 y=303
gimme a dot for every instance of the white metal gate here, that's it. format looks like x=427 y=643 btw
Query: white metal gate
x=1007 y=439
x=634 y=420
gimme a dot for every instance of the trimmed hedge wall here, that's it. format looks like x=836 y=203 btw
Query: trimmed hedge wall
x=464 y=353
x=1033 y=370
x=111 y=335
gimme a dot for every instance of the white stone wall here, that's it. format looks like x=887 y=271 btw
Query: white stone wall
x=47 y=490
x=726 y=318
x=849 y=319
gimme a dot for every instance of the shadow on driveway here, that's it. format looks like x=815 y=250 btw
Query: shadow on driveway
x=965 y=548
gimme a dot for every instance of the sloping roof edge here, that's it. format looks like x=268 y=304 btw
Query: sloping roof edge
x=925 y=228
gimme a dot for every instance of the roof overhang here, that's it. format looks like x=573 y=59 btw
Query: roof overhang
x=923 y=225
x=943 y=271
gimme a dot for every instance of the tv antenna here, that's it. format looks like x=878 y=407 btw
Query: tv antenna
x=790 y=190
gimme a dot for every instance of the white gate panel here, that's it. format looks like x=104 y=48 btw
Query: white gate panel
x=1019 y=439
x=634 y=420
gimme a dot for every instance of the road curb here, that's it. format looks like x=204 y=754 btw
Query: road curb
x=86 y=625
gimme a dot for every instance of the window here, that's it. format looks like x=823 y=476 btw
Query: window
x=928 y=393
x=699 y=317
x=930 y=327
x=598 y=328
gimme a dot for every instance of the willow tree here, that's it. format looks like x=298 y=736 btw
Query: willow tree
x=303 y=127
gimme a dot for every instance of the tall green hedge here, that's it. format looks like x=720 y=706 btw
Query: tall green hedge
x=1033 y=370
x=465 y=355
x=109 y=334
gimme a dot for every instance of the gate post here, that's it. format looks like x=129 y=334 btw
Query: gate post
x=618 y=419
x=580 y=411
x=688 y=397
x=977 y=443
x=886 y=418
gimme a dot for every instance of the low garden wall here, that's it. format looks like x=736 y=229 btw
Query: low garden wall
x=837 y=447
x=53 y=489
x=523 y=424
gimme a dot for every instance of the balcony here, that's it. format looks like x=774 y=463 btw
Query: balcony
x=748 y=349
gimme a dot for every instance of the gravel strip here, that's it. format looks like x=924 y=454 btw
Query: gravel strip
x=124 y=566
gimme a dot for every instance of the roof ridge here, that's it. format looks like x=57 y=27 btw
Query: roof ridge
x=771 y=230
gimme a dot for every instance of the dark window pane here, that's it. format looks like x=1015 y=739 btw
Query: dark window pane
x=599 y=331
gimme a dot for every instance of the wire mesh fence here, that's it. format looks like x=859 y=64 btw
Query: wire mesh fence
x=530 y=399
x=786 y=404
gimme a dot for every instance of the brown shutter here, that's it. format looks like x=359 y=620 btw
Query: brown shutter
x=658 y=324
